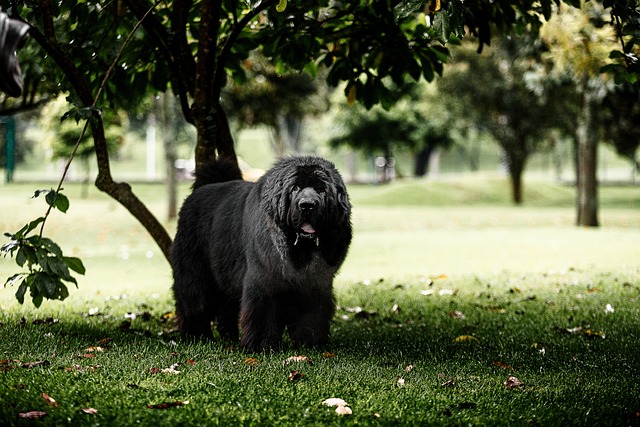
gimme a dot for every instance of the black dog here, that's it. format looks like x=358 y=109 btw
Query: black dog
x=265 y=253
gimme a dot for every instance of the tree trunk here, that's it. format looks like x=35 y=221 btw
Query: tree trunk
x=587 y=145
x=421 y=159
x=170 y=156
x=515 y=165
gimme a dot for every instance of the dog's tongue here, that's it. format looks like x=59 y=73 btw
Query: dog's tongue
x=307 y=228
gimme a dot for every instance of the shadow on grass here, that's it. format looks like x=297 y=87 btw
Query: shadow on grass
x=441 y=353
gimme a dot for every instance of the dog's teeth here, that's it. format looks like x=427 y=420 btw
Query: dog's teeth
x=317 y=241
x=297 y=238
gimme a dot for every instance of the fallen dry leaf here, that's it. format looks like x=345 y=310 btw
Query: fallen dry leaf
x=408 y=368
x=594 y=334
x=167 y=405
x=251 y=361
x=50 y=400
x=334 y=401
x=32 y=415
x=343 y=410
x=502 y=365
x=400 y=382
x=89 y=411
x=426 y=292
x=94 y=349
x=295 y=376
x=328 y=355
x=456 y=314
x=30 y=365
x=297 y=359
x=449 y=383
x=191 y=362
x=465 y=338
x=395 y=309
x=513 y=382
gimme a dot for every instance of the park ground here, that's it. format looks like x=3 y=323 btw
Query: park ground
x=454 y=308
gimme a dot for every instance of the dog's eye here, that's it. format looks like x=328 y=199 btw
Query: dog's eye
x=295 y=189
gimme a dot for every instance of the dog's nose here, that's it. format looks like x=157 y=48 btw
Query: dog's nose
x=307 y=204
x=308 y=199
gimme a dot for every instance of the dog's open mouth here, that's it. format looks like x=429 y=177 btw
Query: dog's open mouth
x=307 y=232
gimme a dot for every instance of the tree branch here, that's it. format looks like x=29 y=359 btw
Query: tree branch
x=119 y=191
x=233 y=36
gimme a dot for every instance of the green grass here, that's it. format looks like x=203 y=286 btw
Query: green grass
x=528 y=284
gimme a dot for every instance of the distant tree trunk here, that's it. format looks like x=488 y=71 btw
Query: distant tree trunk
x=516 y=162
x=421 y=165
x=587 y=137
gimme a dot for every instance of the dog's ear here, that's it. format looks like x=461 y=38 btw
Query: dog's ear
x=275 y=198
x=335 y=243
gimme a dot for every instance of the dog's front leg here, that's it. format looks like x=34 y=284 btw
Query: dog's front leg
x=261 y=326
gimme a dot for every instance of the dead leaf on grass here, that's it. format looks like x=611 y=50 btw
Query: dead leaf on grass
x=594 y=334
x=343 y=410
x=334 y=401
x=167 y=405
x=513 y=382
x=449 y=383
x=457 y=314
x=295 y=376
x=251 y=361
x=408 y=368
x=298 y=359
x=328 y=355
x=32 y=415
x=94 y=349
x=400 y=382
x=89 y=411
x=465 y=338
x=50 y=400
x=29 y=365
x=502 y=365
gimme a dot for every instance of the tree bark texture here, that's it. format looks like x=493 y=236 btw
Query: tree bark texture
x=587 y=136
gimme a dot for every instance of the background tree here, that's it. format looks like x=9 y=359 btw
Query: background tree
x=194 y=47
x=580 y=44
x=621 y=118
x=278 y=100
x=496 y=97
x=412 y=125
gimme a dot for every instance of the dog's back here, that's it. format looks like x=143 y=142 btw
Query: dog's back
x=222 y=169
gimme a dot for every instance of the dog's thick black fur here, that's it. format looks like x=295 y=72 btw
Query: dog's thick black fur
x=263 y=253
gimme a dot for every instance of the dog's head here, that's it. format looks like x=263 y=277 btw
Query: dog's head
x=307 y=199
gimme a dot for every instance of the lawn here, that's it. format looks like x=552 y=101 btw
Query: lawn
x=454 y=308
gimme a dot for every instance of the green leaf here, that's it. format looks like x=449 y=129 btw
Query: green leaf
x=441 y=26
x=37 y=300
x=282 y=5
x=58 y=201
x=14 y=279
x=75 y=264
x=58 y=268
x=51 y=246
x=22 y=289
x=21 y=257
